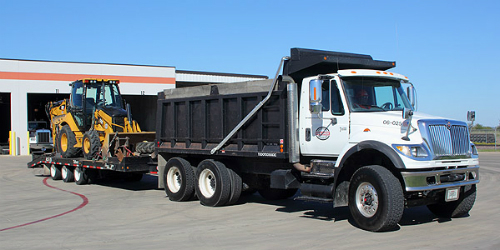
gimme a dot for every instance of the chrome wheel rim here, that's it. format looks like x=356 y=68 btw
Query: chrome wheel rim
x=367 y=200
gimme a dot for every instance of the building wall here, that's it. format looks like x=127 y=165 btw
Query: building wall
x=20 y=77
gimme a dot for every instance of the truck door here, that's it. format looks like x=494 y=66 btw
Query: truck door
x=326 y=133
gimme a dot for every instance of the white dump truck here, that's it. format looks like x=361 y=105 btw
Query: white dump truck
x=337 y=126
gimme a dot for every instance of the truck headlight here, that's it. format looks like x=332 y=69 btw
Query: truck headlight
x=412 y=151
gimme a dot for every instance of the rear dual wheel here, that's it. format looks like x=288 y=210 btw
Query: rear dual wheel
x=179 y=180
x=213 y=183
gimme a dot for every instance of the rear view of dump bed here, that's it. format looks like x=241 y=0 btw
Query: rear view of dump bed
x=195 y=120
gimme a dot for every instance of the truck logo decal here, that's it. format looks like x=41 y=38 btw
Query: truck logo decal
x=322 y=133
x=267 y=154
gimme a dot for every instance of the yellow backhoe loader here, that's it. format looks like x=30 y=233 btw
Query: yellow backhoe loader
x=96 y=121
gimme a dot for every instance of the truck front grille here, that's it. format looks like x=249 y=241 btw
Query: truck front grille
x=43 y=137
x=449 y=140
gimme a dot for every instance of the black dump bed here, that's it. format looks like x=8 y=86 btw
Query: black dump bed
x=195 y=120
x=309 y=62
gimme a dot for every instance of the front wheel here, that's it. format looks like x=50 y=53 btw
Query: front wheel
x=376 y=199
x=458 y=208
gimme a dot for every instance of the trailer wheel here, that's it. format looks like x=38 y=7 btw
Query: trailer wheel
x=179 y=180
x=55 y=172
x=67 y=174
x=214 y=184
x=91 y=144
x=273 y=194
x=236 y=187
x=376 y=198
x=81 y=177
x=458 y=208
x=66 y=141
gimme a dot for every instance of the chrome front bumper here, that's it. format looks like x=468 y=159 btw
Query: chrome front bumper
x=440 y=179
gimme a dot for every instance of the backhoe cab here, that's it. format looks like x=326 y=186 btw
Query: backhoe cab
x=95 y=122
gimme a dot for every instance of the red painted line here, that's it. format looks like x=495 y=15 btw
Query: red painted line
x=84 y=203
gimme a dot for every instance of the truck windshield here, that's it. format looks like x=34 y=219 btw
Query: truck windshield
x=374 y=94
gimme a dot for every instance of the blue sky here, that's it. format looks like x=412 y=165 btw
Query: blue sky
x=448 y=49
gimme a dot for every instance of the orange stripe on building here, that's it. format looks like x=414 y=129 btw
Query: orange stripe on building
x=74 y=77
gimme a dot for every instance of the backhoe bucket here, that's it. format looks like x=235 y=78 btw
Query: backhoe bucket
x=125 y=142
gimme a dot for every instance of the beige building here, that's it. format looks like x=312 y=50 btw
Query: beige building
x=26 y=86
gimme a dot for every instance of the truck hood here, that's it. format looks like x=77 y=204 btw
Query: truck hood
x=386 y=126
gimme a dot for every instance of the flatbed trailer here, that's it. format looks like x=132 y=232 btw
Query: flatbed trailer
x=84 y=171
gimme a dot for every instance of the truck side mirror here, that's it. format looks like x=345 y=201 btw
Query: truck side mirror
x=412 y=96
x=315 y=95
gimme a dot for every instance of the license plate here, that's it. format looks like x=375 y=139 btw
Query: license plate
x=452 y=194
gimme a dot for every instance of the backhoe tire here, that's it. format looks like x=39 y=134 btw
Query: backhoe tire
x=91 y=144
x=145 y=147
x=66 y=141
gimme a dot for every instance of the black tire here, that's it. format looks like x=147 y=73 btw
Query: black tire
x=236 y=187
x=67 y=174
x=139 y=147
x=458 y=208
x=213 y=187
x=81 y=177
x=55 y=172
x=179 y=180
x=274 y=194
x=66 y=141
x=145 y=147
x=91 y=144
x=376 y=199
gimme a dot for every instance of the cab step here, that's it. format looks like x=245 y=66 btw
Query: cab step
x=314 y=199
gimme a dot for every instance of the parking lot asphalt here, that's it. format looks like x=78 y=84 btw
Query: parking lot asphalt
x=37 y=212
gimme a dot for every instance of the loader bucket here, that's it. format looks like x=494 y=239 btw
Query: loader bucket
x=125 y=141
